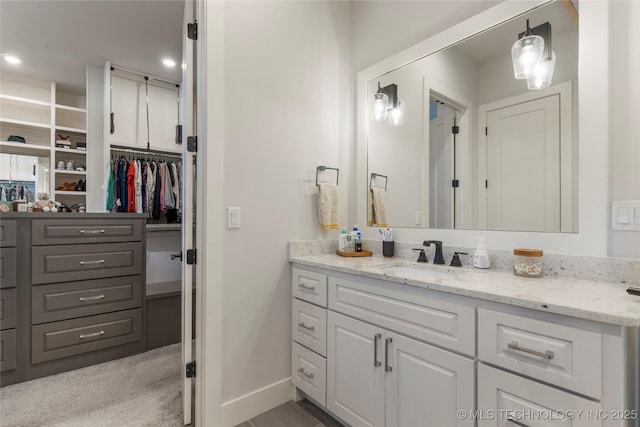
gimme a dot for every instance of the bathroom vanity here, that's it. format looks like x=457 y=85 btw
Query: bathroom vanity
x=389 y=342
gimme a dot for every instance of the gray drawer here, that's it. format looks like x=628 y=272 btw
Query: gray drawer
x=78 y=231
x=8 y=233
x=7 y=350
x=8 y=267
x=78 y=336
x=8 y=301
x=52 y=264
x=63 y=301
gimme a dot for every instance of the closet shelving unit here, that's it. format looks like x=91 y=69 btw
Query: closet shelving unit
x=38 y=111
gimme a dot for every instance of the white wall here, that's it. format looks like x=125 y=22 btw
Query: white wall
x=624 y=176
x=287 y=109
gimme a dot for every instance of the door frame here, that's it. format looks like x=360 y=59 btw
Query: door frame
x=568 y=197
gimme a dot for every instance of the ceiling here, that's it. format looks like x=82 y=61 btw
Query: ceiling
x=57 y=39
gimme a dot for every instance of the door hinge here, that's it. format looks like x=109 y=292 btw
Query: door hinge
x=486 y=184
x=455 y=130
x=192 y=144
x=179 y=134
x=191 y=369
x=486 y=130
x=455 y=183
x=192 y=31
x=191 y=256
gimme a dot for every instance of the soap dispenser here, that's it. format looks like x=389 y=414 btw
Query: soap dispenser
x=481 y=256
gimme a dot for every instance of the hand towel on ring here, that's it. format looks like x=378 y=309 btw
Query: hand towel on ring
x=328 y=206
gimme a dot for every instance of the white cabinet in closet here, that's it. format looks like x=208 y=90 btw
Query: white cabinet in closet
x=129 y=107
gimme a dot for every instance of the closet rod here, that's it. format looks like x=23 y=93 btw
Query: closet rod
x=142 y=75
x=145 y=151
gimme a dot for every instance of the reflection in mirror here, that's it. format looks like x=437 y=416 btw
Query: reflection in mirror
x=478 y=149
x=23 y=177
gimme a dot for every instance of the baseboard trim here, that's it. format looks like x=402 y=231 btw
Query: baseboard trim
x=245 y=407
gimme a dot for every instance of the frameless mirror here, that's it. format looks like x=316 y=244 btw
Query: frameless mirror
x=22 y=177
x=478 y=149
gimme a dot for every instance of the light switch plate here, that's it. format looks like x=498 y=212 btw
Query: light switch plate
x=233 y=218
x=625 y=215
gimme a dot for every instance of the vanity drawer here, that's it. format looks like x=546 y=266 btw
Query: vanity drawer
x=51 y=264
x=309 y=326
x=512 y=398
x=8 y=233
x=309 y=286
x=76 y=299
x=309 y=373
x=8 y=268
x=79 y=231
x=565 y=356
x=7 y=350
x=56 y=340
x=8 y=306
x=408 y=311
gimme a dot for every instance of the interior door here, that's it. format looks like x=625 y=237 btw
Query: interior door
x=441 y=162
x=188 y=202
x=355 y=370
x=523 y=166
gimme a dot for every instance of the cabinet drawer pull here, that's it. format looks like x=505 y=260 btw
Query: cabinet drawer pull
x=308 y=328
x=301 y=370
x=515 y=422
x=91 y=231
x=95 y=334
x=91 y=298
x=376 y=362
x=100 y=261
x=387 y=365
x=307 y=288
x=513 y=345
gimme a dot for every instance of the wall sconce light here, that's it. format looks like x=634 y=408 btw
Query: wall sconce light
x=385 y=103
x=542 y=73
x=531 y=51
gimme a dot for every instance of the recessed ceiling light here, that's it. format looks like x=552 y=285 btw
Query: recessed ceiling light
x=12 y=59
x=169 y=62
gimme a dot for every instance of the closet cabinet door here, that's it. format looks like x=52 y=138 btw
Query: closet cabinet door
x=426 y=386
x=124 y=104
x=355 y=371
x=163 y=117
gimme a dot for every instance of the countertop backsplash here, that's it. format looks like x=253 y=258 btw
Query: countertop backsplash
x=604 y=269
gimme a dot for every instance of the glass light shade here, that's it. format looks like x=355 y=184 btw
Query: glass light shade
x=525 y=53
x=378 y=107
x=542 y=73
x=396 y=115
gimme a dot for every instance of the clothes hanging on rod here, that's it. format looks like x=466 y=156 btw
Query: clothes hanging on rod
x=144 y=182
x=17 y=190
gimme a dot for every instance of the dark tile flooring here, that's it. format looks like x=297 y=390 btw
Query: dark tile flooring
x=293 y=414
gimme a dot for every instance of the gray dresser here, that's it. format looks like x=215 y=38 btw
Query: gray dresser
x=76 y=283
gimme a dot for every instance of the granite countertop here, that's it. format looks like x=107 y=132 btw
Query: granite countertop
x=584 y=299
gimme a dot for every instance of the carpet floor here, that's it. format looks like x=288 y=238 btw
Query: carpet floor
x=140 y=390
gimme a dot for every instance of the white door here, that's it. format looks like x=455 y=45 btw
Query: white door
x=523 y=166
x=441 y=168
x=163 y=116
x=124 y=106
x=355 y=371
x=426 y=386
x=188 y=187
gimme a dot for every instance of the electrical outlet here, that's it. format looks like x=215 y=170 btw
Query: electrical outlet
x=418 y=217
x=625 y=215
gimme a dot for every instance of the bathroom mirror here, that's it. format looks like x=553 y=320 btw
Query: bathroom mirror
x=477 y=149
x=22 y=177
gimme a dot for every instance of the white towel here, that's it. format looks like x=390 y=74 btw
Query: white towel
x=328 y=206
x=378 y=208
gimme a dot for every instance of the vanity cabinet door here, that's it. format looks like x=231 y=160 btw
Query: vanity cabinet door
x=355 y=371
x=426 y=386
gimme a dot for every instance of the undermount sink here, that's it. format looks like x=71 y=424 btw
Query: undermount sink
x=416 y=270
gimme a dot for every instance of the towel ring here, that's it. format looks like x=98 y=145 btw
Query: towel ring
x=324 y=168
x=375 y=175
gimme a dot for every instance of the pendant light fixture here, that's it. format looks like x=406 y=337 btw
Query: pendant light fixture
x=533 y=46
x=385 y=103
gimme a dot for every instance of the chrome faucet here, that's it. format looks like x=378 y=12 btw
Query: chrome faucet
x=438 y=257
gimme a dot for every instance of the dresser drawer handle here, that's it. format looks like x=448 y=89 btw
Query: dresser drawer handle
x=91 y=298
x=91 y=231
x=301 y=370
x=100 y=261
x=95 y=334
x=513 y=345
x=307 y=288
x=308 y=328
x=515 y=422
